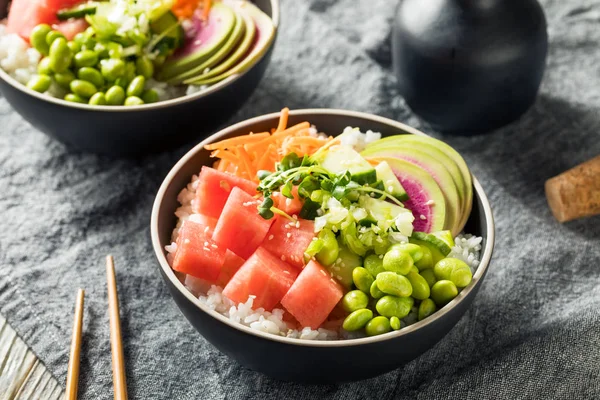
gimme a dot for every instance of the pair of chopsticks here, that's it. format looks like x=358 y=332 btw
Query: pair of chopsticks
x=116 y=345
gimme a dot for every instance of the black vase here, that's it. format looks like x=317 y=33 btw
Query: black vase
x=469 y=66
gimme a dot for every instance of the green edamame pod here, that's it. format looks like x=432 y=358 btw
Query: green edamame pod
x=443 y=292
x=52 y=36
x=60 y=55
x=144 y=67
x=414 y=250
x=150 y=96
x=355 y=300
x=392 y=306
x=395 y=323
x=38 y=38
x=429 y=276
x=40 y=83
x=362 y=279
x=397 y=261
x=357 y=319
x=378 y=326
x=426 y=261
x=91 y=75
x=420 y=288
x=136 y=88
x=133 y=101
x=115 y=96
x=83 y=88
x=375 y=292
x=112 y=69
x=426 y=308
x=373 y=264
x=73 y=98
x=394 y=284
x=98 y=99
x=330 y=250
x=44 y=66
x=86 y=58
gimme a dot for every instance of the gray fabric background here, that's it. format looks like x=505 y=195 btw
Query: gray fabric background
x=532 y=332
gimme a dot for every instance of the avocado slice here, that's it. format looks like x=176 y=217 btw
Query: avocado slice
x=265 y=34
x=209 y=38
x=439 y=248
x=437 y=170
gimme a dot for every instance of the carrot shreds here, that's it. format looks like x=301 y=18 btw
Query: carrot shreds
x=206 y=9
x=226 y=155
x=236 y=141
x=283 y=119
x=246 y=161
x=184 y=9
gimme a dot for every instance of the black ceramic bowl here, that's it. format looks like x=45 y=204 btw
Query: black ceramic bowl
x=136 y=130
x=302 y=360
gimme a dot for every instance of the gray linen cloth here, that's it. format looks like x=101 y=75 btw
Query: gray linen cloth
x=532 y=331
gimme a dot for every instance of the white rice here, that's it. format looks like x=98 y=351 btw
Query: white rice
x=357 y=139
x=467 y=248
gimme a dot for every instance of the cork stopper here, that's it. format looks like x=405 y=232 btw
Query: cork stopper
x=576 y=192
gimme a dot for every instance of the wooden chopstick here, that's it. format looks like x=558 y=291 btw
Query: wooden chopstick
x=118 y=363
x=73 y=370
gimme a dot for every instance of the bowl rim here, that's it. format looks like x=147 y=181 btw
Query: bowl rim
x=275 y=17
x=486 y=254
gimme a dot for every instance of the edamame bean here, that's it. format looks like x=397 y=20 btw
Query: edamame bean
x=91 y=75
x=115 y=96
x=394 y=284
x=375 y=292
x=426 y=308
x=133 y=101
x=330 y=250
x=395 y=323
x=101 y=50
x=429 y=276
x=98 y=99
x=73 y=98
x=159 y=61
x=115 y=50
x=150 y=96
x=64 y=79
x=52 y=36
x=83 y=88
x=40 y=83
x=44 y=66
x=414 y=250
x=414 y=269
x=86 y=58
x=80 y=38
x=420 y=288
x=74 y=46
x=123 y=82
x=144 y=67
x=397 y=261
x=373 y=264
x=355 y=300
x=130 y=71
x=392 y=306
x=112 y=69
x=426 y=261
x=357 y=319
x=377 y=326
x=442 y=292
x=38 y=38
x=362 y=279
x=136 y=88
x=443 y=269
x=60 y=55
x=461 y=274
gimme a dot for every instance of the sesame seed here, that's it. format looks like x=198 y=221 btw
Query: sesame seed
x=205 y=244
x=381 y=256
x=390 y=189
x=339 y=260
x=429 y=202
x=206 y=229
x=286 y=272
x=423 y=217
x=282 y=258
x=338 y=277
x=342 y=265
x=289 y=235
x=271 y=237
x=295 y=216
x=324 y=273
x=248 y=203
x=214 y=246
x=298 y=224
x=186 y=241
x=207 y=249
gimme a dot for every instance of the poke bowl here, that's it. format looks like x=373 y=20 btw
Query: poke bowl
x=281 y=246
x=123 y=78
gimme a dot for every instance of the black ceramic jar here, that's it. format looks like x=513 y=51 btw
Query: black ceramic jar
x=469 y=66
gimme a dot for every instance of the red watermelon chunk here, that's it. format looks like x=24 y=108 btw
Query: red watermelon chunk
x=197 y=254
x=214 y=188
x=289 y=206
x=71 y=27
x=264 y=276
x=289 y=239
x=25 y=15
x=313 y=296
x=240 y=228
x=231 y=265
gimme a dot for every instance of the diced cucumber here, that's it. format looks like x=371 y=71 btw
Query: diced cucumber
x=380 y=210
x=390 y=182
x=169 y=25
x=344 y=158
x=446 y=236
x=79 y=11
x=439 y=248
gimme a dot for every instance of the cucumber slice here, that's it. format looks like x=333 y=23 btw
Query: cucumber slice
x=340 y=159
x=439 y=249
x=390 y=182
x=79 y=11
x=169 y=23
x=446 y=236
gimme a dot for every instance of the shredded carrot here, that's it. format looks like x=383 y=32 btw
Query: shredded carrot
x=206 y=9
x=244 y=155
x=184 y=9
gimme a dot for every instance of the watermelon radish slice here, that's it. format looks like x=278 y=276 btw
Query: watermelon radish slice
x=208 y=38
x=237 y=35
x=437 y=170
x=426 y=200
x=265 y=34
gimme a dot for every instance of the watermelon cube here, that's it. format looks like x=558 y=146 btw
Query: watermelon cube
x=313 y=296
x=240 y=228
x=231 y=265
x=214 y=188
x=264 y=276
x=289 y=239
x=289 y=206
x=197 y=253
